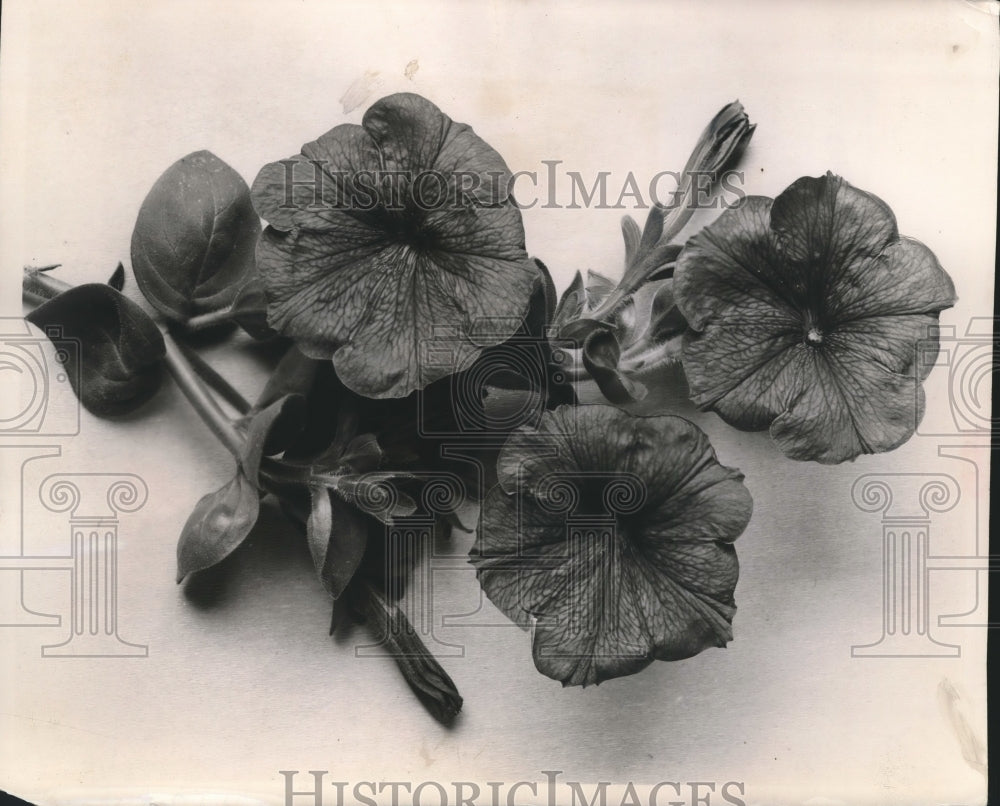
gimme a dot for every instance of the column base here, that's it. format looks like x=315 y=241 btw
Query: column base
x=100 y=645
x=900 y=645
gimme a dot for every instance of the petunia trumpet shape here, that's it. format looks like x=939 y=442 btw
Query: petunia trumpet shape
x=383 y=238
x=610 y=537
x=811 y=316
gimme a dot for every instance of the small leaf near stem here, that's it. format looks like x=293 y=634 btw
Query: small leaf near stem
x=37 y=285
x=219 y=523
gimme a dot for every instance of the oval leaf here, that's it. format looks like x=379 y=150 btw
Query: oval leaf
x=337 y=539
x=270 y=430
x=219 y=523
x=193 y=243
x=249 y=311
x=119 y=363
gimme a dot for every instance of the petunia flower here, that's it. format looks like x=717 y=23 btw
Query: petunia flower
x=384 y=235
x=610 y=537
x=806 y=313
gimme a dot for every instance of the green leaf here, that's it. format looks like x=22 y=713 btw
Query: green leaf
x=117 y=279
x=601 y=353
x=249 y=310
x=549 y=289
x=599 y=288
x=270 y=430
x=194 y=239
x=337 y=536
x=376 y=494
x=363 y=453
x=633 y=237
x=294 y=375
x=651 y=332
x=119 y=364
x=571 y=304
x=219 y=523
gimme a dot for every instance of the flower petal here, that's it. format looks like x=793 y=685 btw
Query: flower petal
x=732 y=262
x=905 y=278
x=847 y=405
x=412 y=135
x=826 y=224
x=742 y=371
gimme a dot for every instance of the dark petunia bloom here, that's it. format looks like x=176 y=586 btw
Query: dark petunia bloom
x=807 y=313
x=610 y=537
x=385 y=236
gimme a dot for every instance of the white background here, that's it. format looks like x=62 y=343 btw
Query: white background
x=98 y=98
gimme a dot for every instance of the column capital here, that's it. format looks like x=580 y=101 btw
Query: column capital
x=906 y=496
x=89 y=496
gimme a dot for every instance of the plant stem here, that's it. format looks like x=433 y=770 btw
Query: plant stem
x=200 y=398
x=37 y=286
x=207 y=373
x=208 y=319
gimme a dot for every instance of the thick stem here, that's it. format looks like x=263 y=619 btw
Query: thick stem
x=37 y=285
x=200 y=398
x=208 y=319
x=207 y=373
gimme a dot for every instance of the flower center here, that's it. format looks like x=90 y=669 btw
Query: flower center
x=410 y=230
x=813 y=337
